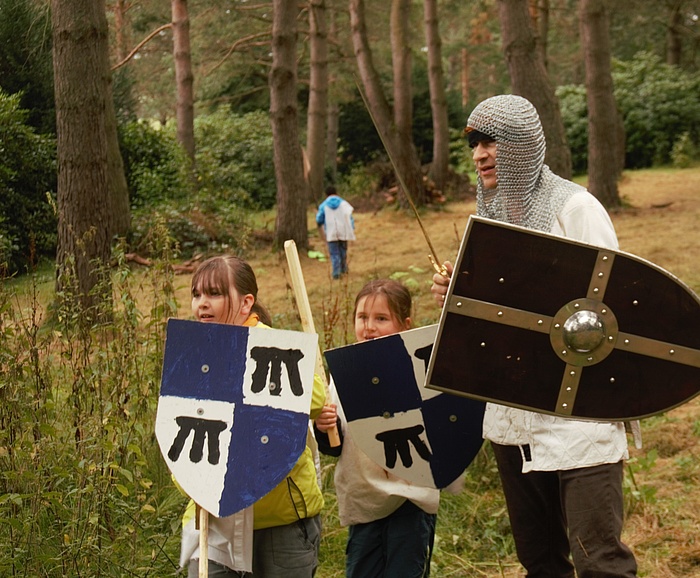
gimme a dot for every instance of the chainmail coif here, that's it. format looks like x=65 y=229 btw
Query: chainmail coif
x=528 y=193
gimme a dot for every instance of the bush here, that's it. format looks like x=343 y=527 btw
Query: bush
x=658 y=103
x=574 y=112
x=235 y=158
x=27 y=175
x=154 y=162
x=684 y=152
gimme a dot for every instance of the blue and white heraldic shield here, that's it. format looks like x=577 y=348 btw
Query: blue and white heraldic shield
x=401 y=425
x=233 y=410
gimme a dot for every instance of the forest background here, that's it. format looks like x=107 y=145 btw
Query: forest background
x=83 y=489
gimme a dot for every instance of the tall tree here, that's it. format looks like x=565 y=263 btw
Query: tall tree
x=438 y=101
x=318 y=97
x=401 y=64
x=540 y=16
x=604 y=122
x=184 y=79
x=400 y=149
x=86 y=222
x=529 y=79
x=291 y=186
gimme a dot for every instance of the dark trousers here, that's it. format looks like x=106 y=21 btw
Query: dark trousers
x=289 y=551
x=563 y=515
x=398 y=546
x=339 y=257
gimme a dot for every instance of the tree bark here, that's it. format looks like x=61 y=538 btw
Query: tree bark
x=332 y=129
x=81 y=73
x=674 y=45
x=603 y=117
x=438 y=101
x=184 y=79
x=318 y=97
x=401 y=64
x=120 y=29
x=401 y=150
x=529 y=79
x=291 y=186
x=464 y=79
x=542 y=8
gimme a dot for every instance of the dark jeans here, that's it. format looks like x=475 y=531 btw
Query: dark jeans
x=289 y=551
x=568 y=512
x=339 y=260
x=398 y=546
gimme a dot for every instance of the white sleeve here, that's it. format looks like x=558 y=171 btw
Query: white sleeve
x=584 y=219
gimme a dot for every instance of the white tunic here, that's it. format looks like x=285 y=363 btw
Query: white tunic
x=367 y=492
x=558 y=443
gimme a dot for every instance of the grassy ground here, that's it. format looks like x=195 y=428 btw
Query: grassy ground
x=660 y=224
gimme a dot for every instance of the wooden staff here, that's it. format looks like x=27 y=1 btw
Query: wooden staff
x=307 y=321
x=202 y=522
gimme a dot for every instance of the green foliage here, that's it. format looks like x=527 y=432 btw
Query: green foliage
x=83 y=489
x=574 y=112
x=235 y=158
x=27 y=175
x=198 y=225
x=460 y=153
x=26 y=65
x=358 y=181
x=638 y=495
x=684 y=151
x=659 y=103
x=234 y=172
x=154 y=162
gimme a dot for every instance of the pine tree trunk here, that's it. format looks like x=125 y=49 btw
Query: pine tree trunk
x=291 y=187
x=318 y=97
x=438 y=101
x=402 y=151
x=603 y=117
x=184 y=79
x=401 y=62
x=81 y=73
x=529 y=78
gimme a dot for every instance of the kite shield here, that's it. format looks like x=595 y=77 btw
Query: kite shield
x=556 y=326
x=233 y=410
x=419 y=435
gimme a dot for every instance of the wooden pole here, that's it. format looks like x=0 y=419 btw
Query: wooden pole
x=203 y=525
x=307 y=321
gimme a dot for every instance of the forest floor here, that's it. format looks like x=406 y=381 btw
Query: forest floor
x=660 y=223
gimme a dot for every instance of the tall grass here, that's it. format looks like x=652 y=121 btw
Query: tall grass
x=83 y=489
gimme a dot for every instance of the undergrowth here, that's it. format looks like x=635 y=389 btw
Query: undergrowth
x=83 y=489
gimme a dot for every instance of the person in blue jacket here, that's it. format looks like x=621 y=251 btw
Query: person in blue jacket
x=337 y=226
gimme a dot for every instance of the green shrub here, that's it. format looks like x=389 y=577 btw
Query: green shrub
x=83 y=488
x=684 y=151
x=155 y=164
x=27 y=175
x=234 y=158
x=658 y=103
x=574 y=112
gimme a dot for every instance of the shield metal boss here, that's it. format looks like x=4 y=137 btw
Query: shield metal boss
x=556 y=326
x=233 y=410
x=417 y=434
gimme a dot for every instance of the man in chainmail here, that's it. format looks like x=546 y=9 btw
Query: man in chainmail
x=562 y=478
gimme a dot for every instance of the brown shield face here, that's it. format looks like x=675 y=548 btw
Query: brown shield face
x=552 y=325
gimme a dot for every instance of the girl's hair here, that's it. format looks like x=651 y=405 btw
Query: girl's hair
x=217 y=275
x=398 y=297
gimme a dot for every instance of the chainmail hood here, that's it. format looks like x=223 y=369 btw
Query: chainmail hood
x=528 y=193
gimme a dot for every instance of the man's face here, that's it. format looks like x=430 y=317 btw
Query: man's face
x=484 y=155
